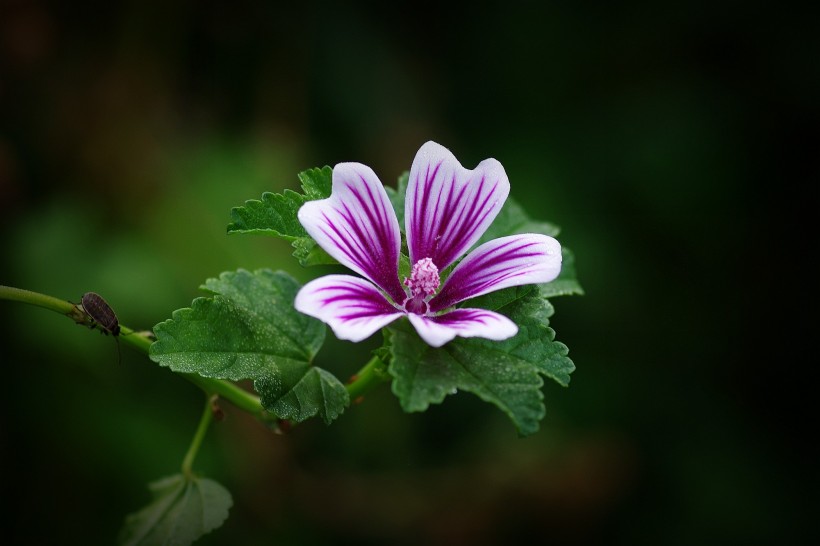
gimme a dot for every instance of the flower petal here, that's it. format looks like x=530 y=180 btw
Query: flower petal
x=448 y=207
x=438 y=330
x=507 y=261
x=358 y=227
x=352 y=307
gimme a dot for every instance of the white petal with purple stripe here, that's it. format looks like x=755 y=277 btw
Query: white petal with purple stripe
x=447 y=207
x=508 y=261
x=438 y=330
x=358 y=227
x=352 y=307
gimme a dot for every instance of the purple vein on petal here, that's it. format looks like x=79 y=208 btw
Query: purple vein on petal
x=346 y=242
x=449 y=207
x=353 y=307
x=467 y=225
x=377 y=236
x=418 y=228
x=357 y=301
x=357 y=226
x=508 y=261
x=438 y=330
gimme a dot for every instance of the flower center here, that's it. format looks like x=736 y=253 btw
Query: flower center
x=423 y=280
x=422 y=283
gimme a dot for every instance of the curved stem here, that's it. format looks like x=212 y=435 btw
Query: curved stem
x=372 y=374
x=35 y=298
x=142 y=342
x=201 y=430
x=232 y=392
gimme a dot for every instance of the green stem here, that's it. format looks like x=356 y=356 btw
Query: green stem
x=35 y=298
x=142 y=342
x=201 y=430
x=232 y=392
x=373 y=373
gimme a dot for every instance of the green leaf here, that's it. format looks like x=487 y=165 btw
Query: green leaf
x=396 y=197
x=249 y=329
x=317 y=182
x=275 y=215
x=308 y=252
x=302 y=392
x=566 y=284
x=183 y=509
x=513 y=220
x=498 y=299
x=507 y=374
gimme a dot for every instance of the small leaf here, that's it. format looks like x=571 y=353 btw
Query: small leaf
x=566 y=284
x=513 y=220
x=249 y=329
x=183 y=509
x=498 y=299
x=275 y=215
x=316 y=182
x=404 y=266
x=397 y=195
x=506 y=373
x=309 y=253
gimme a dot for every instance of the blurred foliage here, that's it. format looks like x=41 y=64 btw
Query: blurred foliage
x=183 y=509
x=665 y=139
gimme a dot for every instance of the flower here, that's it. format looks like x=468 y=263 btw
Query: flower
x=447 y=209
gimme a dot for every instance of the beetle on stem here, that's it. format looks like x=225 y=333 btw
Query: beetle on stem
x=101 y=314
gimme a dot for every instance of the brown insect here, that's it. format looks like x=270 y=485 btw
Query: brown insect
x=102 y=316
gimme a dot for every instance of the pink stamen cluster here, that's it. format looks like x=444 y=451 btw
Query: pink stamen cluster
x=424 y=279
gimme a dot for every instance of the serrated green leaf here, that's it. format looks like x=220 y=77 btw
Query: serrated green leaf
x=275 y=213
x=305 y=392
x=506 y=373
x=249 y=329
x=183 y=509
x=537 y=343
x=316 y=182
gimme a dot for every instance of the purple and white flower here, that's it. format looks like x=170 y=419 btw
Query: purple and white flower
x=447 y=209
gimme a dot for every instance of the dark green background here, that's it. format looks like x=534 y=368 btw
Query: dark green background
x=667 y=141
